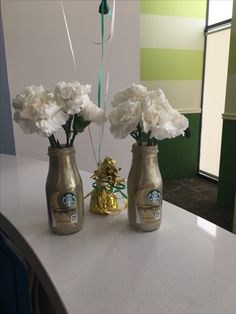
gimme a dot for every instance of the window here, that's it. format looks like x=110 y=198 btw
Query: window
x=215 y=78
x=219 y=10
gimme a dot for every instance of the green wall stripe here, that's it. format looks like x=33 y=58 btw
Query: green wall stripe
x=185 y=8
x=227 y=178
x=179 y=157
x=232 y=54
x=170 y=64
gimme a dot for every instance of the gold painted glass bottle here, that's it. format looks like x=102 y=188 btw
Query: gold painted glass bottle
x=64 y=191
x=144 y=189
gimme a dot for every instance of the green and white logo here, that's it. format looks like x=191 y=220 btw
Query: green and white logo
x=154 y=196
x=69 y=199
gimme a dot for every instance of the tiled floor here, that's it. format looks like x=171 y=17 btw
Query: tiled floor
x=198 y=196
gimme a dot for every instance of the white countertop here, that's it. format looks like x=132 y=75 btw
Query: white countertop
x=188 y=266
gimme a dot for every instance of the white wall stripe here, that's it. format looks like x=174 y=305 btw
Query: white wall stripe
x=189 y=110
x=157 y=31
x=182 y=95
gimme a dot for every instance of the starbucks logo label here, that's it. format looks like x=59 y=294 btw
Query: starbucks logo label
x=154 y=196
x=69 y=199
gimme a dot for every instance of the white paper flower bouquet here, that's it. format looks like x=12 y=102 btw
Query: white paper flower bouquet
x=146 y=115
x=38 y=110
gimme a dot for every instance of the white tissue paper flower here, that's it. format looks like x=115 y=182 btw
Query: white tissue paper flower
x=173 y=124
x=90 y=112
x=49 y=118
x=133 y=93
x=160 y=118
x=150 y=121
x=127 y=110
x=37 y=111
x=28 y=126
x=125 y=118
x=72 y=96
x=151 y=110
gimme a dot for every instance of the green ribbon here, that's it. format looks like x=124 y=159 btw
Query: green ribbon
x=99 y=86
x=102 y=32
x=103 y=9
x=111 y=188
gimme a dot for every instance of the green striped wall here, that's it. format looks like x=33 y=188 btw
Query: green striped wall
x=227 y=175
x=170 y=64
x=189 y=8
x=171 y=57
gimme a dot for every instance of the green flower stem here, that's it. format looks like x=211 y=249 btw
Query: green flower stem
x=149 y=139
x=69 y=131
x=52 y=141
x=58 y=144
x=67 y=128
x=133 y=135
x=139 y=135
x=73 y=138
x=143 y=138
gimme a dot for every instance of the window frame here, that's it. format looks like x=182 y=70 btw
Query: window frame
x=209 y=29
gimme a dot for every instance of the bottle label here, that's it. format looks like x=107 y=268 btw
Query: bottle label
x=63 y=207
x=149 y=207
